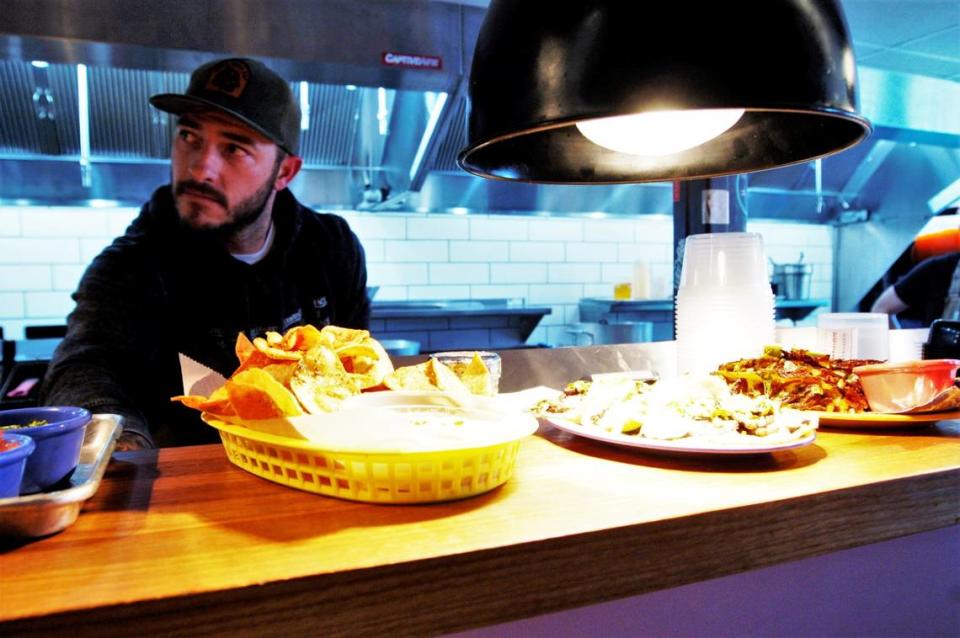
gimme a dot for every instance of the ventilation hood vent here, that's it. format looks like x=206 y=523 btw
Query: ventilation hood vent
x=376 y=136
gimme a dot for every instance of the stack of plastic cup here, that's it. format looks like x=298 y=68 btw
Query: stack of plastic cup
x=725 y=306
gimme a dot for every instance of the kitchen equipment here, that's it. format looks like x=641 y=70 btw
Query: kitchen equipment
x=792 y=281
x=590 y=334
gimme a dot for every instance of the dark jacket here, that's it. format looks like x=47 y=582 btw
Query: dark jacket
x=161 y=289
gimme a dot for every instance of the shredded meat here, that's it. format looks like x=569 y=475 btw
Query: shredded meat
x=799 y=379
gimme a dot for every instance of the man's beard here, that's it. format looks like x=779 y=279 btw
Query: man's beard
x=239 y=217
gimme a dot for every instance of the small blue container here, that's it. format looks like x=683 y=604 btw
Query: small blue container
x=13 y=462
x=58 y=443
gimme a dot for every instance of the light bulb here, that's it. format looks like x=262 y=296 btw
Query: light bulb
x=659 y=132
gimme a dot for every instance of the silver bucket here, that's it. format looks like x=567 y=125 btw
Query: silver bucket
x=589 y=334
x=793 y=280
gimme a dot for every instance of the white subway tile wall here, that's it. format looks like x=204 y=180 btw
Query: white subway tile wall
x=541 y=261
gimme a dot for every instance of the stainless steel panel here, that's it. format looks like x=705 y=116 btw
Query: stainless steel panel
x=134 y=48
x=325 y=41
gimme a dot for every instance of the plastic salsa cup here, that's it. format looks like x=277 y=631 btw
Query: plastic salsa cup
x=14 y=451
x=58 y=434
x=904 y=385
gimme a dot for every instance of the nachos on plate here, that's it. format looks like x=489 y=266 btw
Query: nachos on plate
x=701 y=409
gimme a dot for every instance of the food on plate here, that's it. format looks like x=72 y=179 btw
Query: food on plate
x=700 y=409
x=799 y=379
x=304 y=370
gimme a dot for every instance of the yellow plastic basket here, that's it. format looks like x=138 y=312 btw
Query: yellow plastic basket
x=378 y=476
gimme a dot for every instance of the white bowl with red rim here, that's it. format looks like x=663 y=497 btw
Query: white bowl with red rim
x=904 y=385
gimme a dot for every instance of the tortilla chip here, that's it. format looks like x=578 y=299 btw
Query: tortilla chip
x=301 y=338
x=409 y=378
x=282 y=372
x=429 y=375
x=317 y=394
x=273 y=350
x=218 y=403
x=337 y=337
x=255 y=394
x=256 y=360
x=322 y=361
x=367 y=361
x=309 y=369
x=358 y=349
x=320 y=381
x=476 y=376
x=443 y=377
x=244 y=348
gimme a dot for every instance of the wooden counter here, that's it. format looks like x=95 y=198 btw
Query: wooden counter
x=181 y=542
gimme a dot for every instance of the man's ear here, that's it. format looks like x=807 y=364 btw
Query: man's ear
x=289 y=168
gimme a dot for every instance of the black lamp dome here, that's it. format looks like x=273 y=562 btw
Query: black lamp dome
x=539 y=68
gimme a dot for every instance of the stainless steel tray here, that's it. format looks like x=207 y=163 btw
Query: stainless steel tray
x=49 y=512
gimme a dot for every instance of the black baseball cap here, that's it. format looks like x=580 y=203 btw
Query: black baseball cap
x=246 y=90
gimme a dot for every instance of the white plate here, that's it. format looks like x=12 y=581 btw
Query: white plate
x=881 y=420
x=678 y=446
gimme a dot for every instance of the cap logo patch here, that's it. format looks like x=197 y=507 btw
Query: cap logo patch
x=230 y=77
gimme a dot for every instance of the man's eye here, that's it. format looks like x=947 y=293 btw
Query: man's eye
x=237 y=151
x=186 y=136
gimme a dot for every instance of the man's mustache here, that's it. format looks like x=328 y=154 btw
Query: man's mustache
x=200 y=188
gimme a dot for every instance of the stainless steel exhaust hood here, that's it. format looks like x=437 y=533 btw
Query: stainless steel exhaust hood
x=374 y=78
x=384 y=86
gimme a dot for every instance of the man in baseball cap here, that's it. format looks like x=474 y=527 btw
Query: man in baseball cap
x=244 y=89
x=224 y=249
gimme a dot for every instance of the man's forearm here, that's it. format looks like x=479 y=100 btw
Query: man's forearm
x=92 y=389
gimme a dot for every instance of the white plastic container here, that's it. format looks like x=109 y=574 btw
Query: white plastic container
x=854 y=335
x=641 y=280
x=724 y=306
